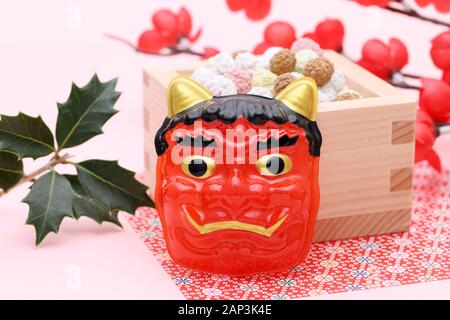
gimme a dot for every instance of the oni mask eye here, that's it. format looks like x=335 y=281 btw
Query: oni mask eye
x=274 y=164
x=198 y=166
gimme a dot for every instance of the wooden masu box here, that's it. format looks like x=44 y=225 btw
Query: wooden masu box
x=366 y=158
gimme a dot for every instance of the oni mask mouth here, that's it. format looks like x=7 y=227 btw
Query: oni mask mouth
x=236 y=225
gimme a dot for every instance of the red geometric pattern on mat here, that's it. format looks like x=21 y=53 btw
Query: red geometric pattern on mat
x=421 y=255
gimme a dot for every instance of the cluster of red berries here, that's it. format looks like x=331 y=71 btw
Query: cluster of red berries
x=172 y=31
x=380 y=3
x=440 y=53
x=426 y=133
x=329 y=34
x=254 y=9
x=277 y=34
x=435 y=94
x=440 y=5
x=434 y=111
x=168 y=29
x=382 y=59
x=388 y=60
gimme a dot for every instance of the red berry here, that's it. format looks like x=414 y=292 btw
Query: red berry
x=424 y=147
x=446 y=76
x=330 y=34
x=441 y=5
x=258 y=10
x=375 y=58
x=424 y=118
x=383 y=60
x=440 y=51
x=434 y=160
x=380 y=3
x=279 y=34
x=184 y=22
x=398 y=54
x=194 y=37
x=312 y=36
x=380 y=70
x=209 y=52
x=151 y=41
x=261 y=48
x=435 y=99
x=425 y=138
x=236 y=5
x=166 y=23
x=376 y=51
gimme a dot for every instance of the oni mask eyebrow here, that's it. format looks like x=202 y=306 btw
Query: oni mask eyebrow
x=198 y=142
x=272 y=142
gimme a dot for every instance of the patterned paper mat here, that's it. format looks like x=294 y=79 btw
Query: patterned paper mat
x=335 y=266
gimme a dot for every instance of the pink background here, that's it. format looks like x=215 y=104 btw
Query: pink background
x=45 y=45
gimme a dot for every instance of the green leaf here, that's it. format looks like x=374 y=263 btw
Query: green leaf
x=86 y=205
x=50 y=201
x=26 y=136
x=113 y=185
x=11 y=170
x=82 y=116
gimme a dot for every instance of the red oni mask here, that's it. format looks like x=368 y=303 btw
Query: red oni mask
x=237 y=178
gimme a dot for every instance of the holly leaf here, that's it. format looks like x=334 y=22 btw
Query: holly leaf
x=82 y=116
x=11 y=170
x=86 y=205
x=26 y=136
x=50 y=201
x=113 y=185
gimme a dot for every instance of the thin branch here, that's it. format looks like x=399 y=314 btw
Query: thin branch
x=443 y=129
x=36 y=173
x=413 y=13
x=405 y=86
x=130 y=44
x=410 y=75
x=121 y=40
x=174 y=50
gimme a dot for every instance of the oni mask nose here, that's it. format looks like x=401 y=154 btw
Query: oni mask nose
x=236 y=191
x=237 y=184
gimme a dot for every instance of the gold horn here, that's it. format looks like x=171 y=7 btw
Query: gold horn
x=301 y=97
x=183 y=93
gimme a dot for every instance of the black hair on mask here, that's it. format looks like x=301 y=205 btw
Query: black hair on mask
x=228 y=109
